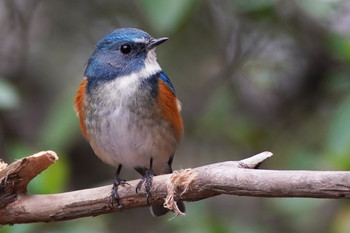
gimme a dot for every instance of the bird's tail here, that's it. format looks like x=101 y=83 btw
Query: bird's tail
x=159 y=210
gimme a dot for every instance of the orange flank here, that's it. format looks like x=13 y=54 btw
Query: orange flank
x=167 y=103
x=79 y=104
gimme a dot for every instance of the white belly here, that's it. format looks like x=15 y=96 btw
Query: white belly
x=126 y=127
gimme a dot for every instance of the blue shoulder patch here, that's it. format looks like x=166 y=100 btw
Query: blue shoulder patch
x=152 y=83
x=167 y=81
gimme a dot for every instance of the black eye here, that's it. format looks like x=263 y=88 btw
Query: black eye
x=125 y=48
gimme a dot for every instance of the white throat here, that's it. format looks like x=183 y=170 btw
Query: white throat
x=128 y=83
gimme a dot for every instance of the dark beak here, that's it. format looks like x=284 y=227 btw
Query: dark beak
x=155 y=42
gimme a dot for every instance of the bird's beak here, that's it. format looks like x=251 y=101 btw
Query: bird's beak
x=155 y=42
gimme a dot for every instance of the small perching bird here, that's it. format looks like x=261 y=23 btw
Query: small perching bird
x=128 y=109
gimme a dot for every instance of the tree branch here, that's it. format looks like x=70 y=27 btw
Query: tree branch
x=232 y=177
x=15 y=177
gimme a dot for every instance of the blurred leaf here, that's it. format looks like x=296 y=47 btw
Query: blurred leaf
x=340 y=46
x=9 y=97
x=53 y=180
x=338 y=142
x=167 y=16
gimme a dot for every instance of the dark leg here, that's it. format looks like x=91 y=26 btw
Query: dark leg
x=116 y=182
x=147 y=181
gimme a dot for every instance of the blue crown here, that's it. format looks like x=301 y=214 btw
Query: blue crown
x=123 y=35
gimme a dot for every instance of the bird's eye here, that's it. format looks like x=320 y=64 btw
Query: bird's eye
x=125 y=48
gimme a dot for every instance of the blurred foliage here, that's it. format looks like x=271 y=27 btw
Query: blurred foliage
x=167 y=16
x=251 y=75
x=53 y=135
x=53 y=180
x=340 y=46
x=339 y=136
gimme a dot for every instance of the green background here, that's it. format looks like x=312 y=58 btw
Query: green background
x=251 y=75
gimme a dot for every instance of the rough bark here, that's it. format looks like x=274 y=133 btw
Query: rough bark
x=232 y=177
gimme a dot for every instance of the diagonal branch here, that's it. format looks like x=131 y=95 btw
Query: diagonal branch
x=232 y=177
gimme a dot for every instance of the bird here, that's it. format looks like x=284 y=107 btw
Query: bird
x=128 y=109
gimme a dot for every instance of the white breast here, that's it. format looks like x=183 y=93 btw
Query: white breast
x=124 y=125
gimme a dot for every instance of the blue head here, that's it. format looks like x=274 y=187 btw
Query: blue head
x=122 y=52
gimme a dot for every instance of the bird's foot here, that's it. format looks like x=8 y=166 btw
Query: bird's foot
x=147 y=181
x=114 y=194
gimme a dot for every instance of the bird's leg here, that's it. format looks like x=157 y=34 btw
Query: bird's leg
x=116 y=182
x=147 y=181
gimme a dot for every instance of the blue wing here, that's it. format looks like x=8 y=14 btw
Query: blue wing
x=167 y=81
